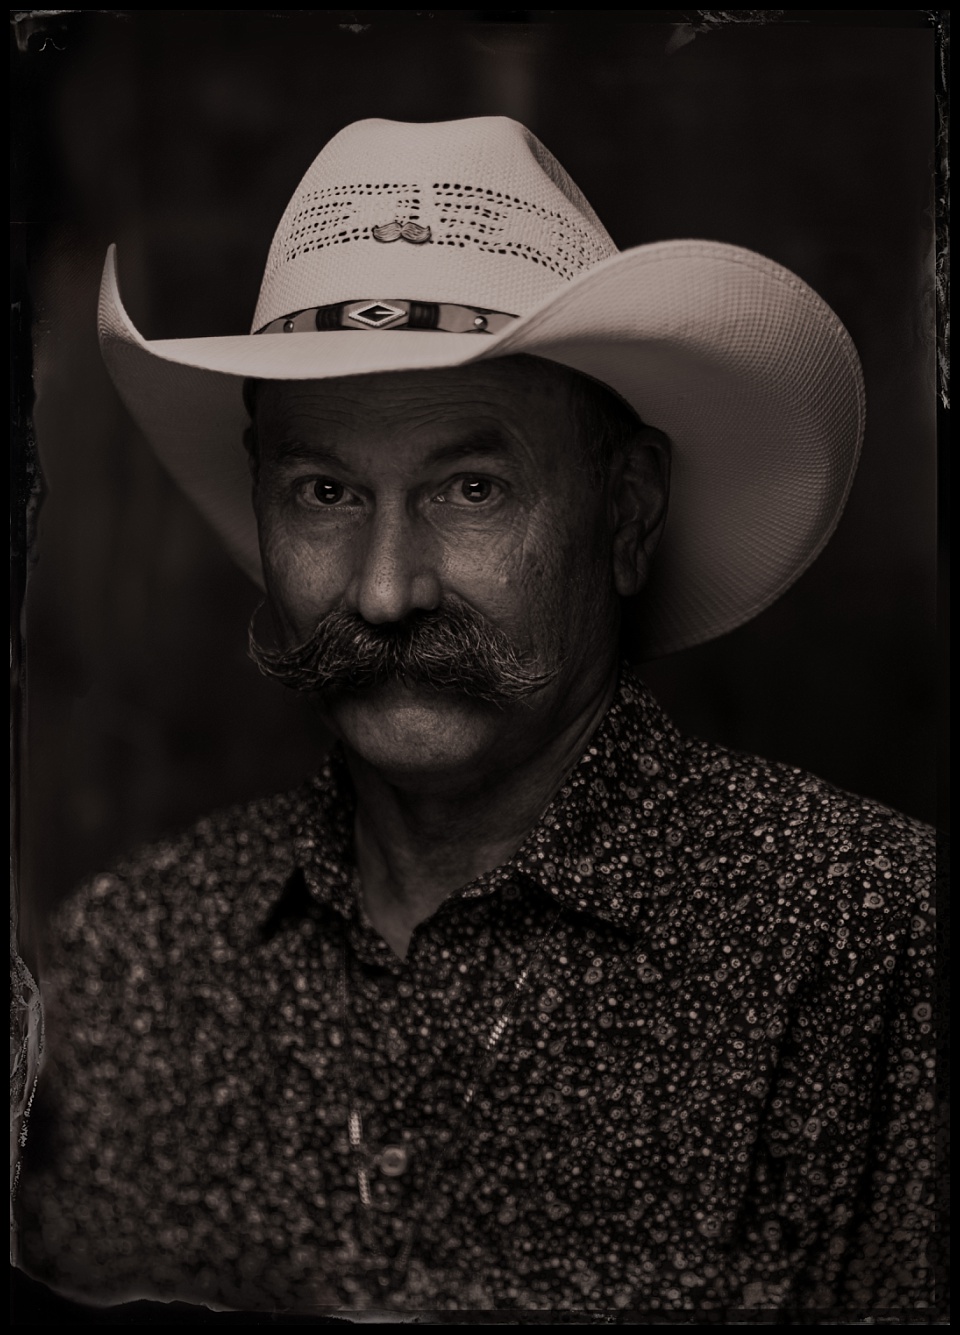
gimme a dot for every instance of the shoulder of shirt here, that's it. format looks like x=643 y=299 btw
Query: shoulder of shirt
x=791 y=832
x=743 y=783
x=219 y=876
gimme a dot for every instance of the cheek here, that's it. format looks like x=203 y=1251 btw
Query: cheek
x=303 y=579
x=498 y=571
x=541 y=579
x=571 y=581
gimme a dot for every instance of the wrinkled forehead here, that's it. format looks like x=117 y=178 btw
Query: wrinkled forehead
x=517 y=404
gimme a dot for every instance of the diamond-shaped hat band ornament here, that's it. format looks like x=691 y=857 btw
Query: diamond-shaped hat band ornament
x=377 y=315
x=414 y=232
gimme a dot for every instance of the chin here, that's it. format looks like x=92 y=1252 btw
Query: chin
x=406 y=731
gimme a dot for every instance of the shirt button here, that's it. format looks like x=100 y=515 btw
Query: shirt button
x=393 y=1160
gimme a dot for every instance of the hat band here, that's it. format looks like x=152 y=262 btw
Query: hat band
x=393 y=314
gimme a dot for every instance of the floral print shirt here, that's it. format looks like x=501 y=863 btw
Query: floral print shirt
x=675 y=1055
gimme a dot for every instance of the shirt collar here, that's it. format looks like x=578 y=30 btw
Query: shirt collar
x=592 y=850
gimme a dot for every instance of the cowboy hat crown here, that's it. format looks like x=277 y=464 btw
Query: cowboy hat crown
x=500 y=224
x=419 y=246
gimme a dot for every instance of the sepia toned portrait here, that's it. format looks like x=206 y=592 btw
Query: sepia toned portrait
x=477 y=699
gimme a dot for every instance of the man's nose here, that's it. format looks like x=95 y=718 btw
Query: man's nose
x=394 y=574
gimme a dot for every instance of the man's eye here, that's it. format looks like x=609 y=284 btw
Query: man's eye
x=323 y=492
x=470 y=491
x=476 y=489
x=328 y=493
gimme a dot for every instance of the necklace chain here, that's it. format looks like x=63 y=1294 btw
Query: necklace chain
x=490 y=1043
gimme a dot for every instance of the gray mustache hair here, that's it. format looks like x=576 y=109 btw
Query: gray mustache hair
x=452 y=648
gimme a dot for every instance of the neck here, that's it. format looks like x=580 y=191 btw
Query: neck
x=414 y=848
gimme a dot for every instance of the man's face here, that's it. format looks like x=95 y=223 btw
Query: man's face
x=394 y=495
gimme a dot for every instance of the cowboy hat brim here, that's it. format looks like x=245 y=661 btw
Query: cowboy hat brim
x=747 y=371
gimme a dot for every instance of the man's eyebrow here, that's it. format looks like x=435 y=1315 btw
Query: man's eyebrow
x=290 y=451
x=485 y=441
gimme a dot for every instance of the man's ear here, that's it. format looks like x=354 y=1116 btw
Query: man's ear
x=640 y=484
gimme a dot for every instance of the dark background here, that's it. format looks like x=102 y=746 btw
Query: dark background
x=182 y=136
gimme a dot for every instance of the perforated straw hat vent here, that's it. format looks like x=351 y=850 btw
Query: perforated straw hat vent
x=506 y=228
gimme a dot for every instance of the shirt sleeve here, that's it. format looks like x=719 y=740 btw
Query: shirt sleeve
x=83 y=1125
x=841 y=1221
x=894 y=1254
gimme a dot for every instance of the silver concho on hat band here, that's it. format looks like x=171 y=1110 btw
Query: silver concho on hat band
x=414 y=232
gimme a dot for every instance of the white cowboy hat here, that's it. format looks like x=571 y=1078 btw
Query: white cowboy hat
x=408 y=247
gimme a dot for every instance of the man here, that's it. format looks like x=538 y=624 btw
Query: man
x=526 y=1001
